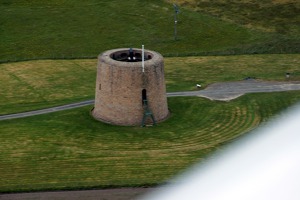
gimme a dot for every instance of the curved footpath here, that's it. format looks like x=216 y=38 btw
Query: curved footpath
x=225 y=91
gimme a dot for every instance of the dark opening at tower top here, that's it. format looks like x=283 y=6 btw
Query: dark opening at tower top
x=131 y=55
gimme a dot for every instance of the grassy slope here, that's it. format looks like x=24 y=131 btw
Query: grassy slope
x=68 y=150
x=57 y=29
x=269 y=15
x=279 y=17
x=38 y=84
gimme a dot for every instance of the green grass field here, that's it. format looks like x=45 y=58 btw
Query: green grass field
x=32 y=85
x=277 y=16
x=72 y=29
x=70 y=150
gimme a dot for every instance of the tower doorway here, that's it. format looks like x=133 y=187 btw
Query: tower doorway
x=144 y=96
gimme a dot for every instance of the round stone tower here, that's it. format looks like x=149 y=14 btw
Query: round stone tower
x=127 y=93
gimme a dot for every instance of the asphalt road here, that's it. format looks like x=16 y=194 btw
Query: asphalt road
x=225 y=91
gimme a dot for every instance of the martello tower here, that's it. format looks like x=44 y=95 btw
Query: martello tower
x=130 y=90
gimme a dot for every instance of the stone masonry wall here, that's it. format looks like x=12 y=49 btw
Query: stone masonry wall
x=119 y=88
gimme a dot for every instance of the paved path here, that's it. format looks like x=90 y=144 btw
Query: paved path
x=47 y=110
x=227 y=91
x=218 y=91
